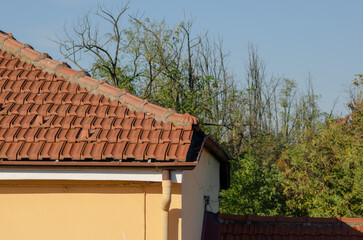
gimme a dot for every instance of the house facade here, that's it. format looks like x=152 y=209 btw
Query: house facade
x=80 y=159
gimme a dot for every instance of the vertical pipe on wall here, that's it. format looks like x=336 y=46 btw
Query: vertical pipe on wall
x=166 y=188
x=144 y=212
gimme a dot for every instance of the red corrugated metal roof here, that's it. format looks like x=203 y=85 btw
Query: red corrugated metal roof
x=52 y=113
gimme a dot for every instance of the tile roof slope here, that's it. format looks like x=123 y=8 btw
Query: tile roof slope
x=49 y=111
x=233 y=227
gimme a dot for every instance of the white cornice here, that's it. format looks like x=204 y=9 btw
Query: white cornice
x=148 y=175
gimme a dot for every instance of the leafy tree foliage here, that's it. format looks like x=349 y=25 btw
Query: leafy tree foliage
x=170 y=66
x=323 y=174
x=255 y=185
x=288 y=158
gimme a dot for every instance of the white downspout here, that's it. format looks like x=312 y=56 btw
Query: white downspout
x=166 y=191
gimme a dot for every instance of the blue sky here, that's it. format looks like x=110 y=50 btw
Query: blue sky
x=294 y=38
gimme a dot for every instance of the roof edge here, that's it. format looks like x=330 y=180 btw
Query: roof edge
x=278 y=219
x=213 y=146
x=26 y=53
x=168 y=165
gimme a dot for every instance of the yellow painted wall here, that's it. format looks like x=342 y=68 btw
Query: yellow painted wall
x=67 y=210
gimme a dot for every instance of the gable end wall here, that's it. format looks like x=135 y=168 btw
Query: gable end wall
x=202 y=181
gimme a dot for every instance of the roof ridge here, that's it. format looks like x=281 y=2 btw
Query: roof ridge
x=94 y=86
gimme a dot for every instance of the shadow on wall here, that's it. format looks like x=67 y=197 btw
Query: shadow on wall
x=174 y=219
x=74 y=186
x=233 y=227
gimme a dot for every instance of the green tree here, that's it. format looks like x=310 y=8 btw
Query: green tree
x=287 y=160
x=171 y=66
x=322 y=176
x=255 y=187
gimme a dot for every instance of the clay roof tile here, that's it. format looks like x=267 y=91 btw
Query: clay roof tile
x=49 y=111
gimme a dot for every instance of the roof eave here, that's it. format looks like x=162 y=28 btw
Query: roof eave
x=114 y=164
x=214 y=147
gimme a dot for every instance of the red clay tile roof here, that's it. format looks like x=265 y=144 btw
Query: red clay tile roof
x=53 y=113
x=233 y=227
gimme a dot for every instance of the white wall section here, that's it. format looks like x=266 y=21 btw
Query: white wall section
x=202 y=181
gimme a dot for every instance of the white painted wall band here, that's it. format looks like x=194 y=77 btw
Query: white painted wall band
x=88 y=174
